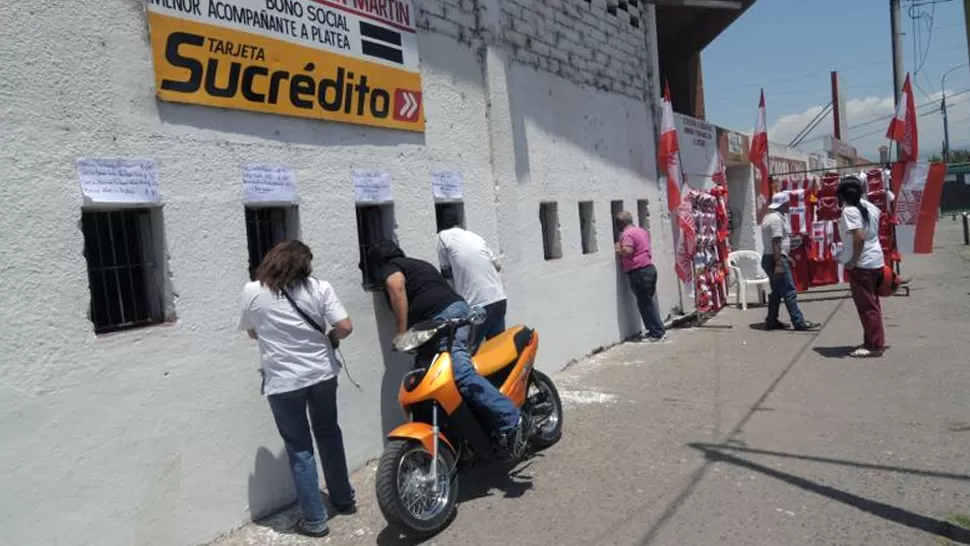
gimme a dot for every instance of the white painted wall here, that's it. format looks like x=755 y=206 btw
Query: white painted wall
x=576 y=145
x=159 y=435
x=741 y=200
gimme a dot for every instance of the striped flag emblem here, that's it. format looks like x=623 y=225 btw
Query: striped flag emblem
x=381 y=42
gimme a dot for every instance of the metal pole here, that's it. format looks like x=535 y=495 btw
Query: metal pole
x=966 y=228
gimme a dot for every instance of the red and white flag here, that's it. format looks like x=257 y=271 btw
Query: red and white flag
x=758 y=155
x=669 y=151
x=686 y=245
x=917 y=205
x=902 y=128
x=718 y=169
x=677 y=201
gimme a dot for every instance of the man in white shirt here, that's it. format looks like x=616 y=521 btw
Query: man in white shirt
x=473 y=267
x=775 y=234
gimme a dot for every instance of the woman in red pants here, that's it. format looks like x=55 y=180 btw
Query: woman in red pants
x=864 y=261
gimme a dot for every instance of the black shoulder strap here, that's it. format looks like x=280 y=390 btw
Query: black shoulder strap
x=317 y=327
x=303 y=313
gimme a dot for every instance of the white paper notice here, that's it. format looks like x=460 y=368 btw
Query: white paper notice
x=118 y=180
x=269 y=184
x=372 y=187
x=447 y=185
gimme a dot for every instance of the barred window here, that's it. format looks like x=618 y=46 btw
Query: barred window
x=124 y=272
x=375 y=223
x=457 y=207
x=265 y=228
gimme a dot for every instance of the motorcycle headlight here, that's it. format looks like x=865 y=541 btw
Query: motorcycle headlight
x=412 y=339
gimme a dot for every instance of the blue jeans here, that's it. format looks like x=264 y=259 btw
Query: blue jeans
x=643 y=282
x=782 y=288
x=475 y=389
x=493 y=326
x=290 y=413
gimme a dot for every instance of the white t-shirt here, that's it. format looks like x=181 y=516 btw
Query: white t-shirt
x=293 y=354
x=472 y=264
x=872 y=256
x=775 y=225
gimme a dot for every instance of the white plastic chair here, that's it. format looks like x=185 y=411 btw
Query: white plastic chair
x=745 y=267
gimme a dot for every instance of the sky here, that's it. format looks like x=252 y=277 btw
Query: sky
x=789 y=47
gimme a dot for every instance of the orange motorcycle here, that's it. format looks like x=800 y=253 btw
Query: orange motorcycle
x=417 y=477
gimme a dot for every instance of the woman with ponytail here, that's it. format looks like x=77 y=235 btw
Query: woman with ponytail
x=864 y=261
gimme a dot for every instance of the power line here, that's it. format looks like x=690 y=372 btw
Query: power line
x=918 y=16
x=922 y=115
x=822 y=115
x=888 y=117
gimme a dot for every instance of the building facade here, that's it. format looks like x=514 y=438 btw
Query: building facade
x=130 y=407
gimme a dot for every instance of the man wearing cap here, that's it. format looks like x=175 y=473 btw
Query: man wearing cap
x=775 y=233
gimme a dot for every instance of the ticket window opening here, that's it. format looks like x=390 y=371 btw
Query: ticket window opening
x=643 y=213
x=447 y=213
x=616 y=207
x=375 y=223
x=265 y=228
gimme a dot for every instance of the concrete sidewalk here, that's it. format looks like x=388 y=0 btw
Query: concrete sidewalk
x=732 y=435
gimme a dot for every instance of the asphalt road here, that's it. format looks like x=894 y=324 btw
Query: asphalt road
x=732 y=435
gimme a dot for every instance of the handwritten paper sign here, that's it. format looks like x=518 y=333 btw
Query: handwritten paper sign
x=118 y=180
x=372 y=187
x=447 y=185
x=269 y=184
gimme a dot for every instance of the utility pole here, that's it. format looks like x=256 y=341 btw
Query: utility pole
x=946 y=130
x=966 y=17
x=946 y=125
x=895 y=18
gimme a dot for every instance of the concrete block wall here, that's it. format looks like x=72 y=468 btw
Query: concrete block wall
x=453 y=18
x=158 y=435
x=586 y=42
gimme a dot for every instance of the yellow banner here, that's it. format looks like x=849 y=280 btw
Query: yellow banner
x=196 y=63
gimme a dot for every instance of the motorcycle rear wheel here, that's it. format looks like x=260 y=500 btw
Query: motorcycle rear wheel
x=549 y=430
x=407 y=497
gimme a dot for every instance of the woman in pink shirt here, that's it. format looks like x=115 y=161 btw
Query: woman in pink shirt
x=636 y=259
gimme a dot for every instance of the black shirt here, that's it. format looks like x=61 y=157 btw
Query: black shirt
x=427 y=290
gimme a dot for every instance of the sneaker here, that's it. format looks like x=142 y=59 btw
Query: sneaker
x=862 y=352
x=650 y=339
x=345 y=509
x=807 y=326
x=775 y=325
x=301 y=528
x=508 y=441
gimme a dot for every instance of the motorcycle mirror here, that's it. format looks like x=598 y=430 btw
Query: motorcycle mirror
x=478 y=315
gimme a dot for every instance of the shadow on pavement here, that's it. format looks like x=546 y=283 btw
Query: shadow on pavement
x=834 y=352
x=879 y=509
x=513 y=482
x=737 y=446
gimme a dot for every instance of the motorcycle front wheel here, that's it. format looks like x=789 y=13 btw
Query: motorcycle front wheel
x=406 y=490
x=546 y=409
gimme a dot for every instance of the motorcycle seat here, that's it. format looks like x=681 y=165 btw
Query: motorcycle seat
x=502 y=350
